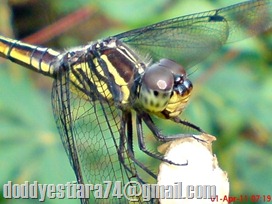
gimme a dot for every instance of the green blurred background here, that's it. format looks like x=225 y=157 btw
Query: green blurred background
x=232 y=97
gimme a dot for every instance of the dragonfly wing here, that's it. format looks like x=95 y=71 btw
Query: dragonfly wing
x=90 y=134
x=190 y=39
x=247 y=19
x=63 y=118
x=186 y=41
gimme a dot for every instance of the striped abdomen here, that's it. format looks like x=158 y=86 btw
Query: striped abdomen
x=33 y=57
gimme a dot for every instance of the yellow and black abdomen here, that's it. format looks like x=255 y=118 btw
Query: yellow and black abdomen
x=30 y=56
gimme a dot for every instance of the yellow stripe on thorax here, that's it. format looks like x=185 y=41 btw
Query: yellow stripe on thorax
x=118 y=80
x=100 y=85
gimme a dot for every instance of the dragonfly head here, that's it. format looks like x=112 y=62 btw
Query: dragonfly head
x=165 y=88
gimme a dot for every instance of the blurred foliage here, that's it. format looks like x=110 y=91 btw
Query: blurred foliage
x=231 y=100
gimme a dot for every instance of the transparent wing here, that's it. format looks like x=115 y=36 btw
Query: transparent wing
x=190 y=39
x=91 y=136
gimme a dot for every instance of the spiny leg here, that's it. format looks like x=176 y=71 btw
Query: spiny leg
x=122 y=150
x=141 y=140
x=127 y=124
x=163 y=138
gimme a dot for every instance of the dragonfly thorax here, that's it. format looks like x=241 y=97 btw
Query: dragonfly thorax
x=165 y=89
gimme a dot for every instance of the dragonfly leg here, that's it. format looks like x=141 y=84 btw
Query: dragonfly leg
x=126 y=124
x=143 y=148
x=188 y=124
x=163 y=138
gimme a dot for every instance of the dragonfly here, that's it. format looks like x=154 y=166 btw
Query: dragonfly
x=104 y=92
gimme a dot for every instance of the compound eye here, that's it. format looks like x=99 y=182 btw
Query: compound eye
x=156 y=88
x=158 y=79
x=173 y=67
